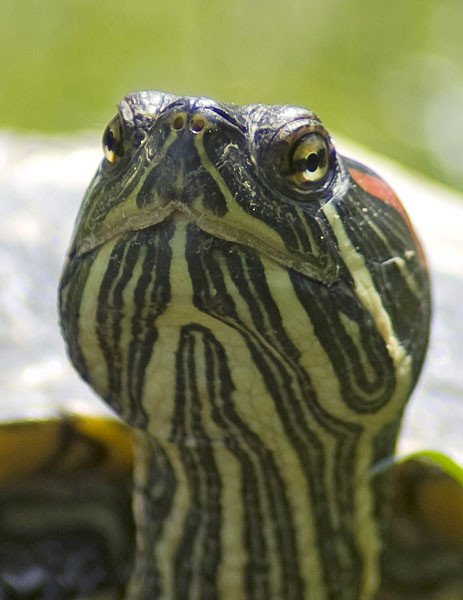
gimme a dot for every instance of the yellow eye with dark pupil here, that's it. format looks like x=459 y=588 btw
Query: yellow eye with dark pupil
x=309 y=160
x=112 y=141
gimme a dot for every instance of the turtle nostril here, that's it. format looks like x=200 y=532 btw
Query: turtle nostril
x=197 y=124
x=178 y=122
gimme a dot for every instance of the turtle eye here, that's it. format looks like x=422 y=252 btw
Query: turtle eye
x=113 y=140
x=308 y=159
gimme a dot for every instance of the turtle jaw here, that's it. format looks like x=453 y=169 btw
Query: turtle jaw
x=227 y=230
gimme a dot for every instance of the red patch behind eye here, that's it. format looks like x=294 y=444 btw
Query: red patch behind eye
x=377 y=187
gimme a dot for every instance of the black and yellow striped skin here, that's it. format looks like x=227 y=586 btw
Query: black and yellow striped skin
x=261 y=334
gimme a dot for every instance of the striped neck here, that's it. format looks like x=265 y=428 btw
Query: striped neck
x=252 y=476
x=218 y=520
x=230 y=508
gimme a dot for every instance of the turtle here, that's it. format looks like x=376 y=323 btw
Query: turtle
x=255 y=307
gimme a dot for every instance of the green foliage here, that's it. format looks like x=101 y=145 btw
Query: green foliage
x=444 y=462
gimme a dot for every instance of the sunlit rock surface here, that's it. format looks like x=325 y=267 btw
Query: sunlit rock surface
x=42 y=182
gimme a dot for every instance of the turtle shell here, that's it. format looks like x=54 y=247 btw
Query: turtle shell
x=65 y=518
x=63 y=454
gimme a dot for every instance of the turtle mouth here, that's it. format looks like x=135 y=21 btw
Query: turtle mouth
x=177 y=211
x=227 y=221
x=139 y=221
x=215 y=226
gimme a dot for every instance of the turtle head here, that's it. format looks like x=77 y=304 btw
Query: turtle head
x=255 y=175
x=189 y=177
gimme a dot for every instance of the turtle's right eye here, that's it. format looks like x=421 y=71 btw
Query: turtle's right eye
x=113 y=141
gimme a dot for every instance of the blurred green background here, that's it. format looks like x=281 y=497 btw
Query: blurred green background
x=386 y=74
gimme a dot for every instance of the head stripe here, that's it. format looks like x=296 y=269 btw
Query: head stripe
x=374 y=185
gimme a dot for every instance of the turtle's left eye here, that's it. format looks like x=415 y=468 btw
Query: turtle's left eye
x=308 y=159
x=113 y=141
